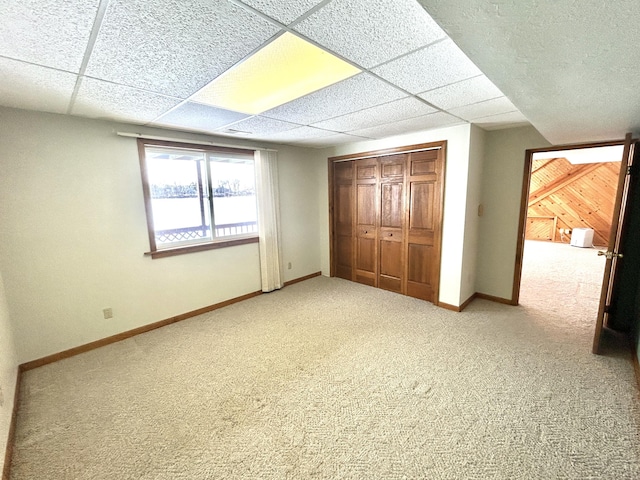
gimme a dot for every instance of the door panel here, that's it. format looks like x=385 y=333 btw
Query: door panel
x=391 y=265
x=366 y=211
x=618 y=223
x=391 y=208
x=344 y=205
x=343 y=202
x=420 y=272
x=366 y=221
x=424 y=218
x=392 y=167
x=391 y=232
x=366 y=169
x=365 y=261
x=419 y=264
x=424 y=165
x=422 y=205
x=344 y=256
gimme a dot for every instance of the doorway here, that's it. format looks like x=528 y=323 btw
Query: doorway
x=568 y=205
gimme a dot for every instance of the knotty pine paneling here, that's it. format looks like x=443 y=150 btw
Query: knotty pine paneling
x=571 y=196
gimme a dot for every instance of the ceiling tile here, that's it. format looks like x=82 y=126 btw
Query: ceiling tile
x=378 y=115
x=425 y=122
x=100 y=99
x=353 y=94
x=484 y=109
x=473 y=90
x=199 y=117
x=263 y=126
x=50 y=33
x=174 y=47
x=431 y=67
x=370 y=32
x=330 y=140
x=285 y=11
x=31 y=87
x=502 y=120
x=300 y=133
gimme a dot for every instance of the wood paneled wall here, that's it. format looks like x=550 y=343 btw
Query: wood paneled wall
x=565 y=196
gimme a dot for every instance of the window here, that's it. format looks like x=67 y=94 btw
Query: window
x=188 y=188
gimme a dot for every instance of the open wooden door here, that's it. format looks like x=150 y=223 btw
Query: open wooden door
x=613 y=253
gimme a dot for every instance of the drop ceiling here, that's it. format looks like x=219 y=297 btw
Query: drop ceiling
x=143 y=61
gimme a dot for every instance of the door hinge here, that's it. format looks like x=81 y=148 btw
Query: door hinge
x=632 y=169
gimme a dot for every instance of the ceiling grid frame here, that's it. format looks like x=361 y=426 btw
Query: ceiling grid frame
x=270 y=128
x=95 y=30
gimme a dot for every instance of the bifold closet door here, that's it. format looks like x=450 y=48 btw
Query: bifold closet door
x=387 y=221
x=424 y=177
x=391 y=261
x=343 y=221
x=366 y=221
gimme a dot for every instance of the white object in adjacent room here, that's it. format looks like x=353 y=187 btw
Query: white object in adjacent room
x=582 y=237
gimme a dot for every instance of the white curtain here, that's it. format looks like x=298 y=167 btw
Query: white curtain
x=266 y=162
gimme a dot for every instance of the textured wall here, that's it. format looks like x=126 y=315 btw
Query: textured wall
x=8 y=371
x=501 y=192
x=73 y=232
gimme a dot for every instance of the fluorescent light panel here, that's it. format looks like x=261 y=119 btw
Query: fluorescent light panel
x=285 y=69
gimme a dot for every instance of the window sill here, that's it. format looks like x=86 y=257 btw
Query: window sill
x=199 y=247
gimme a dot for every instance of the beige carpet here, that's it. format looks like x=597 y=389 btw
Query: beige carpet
x=331 y=379
x=562 y=281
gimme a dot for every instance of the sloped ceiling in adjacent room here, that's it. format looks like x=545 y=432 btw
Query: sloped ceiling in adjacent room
x=571 y=67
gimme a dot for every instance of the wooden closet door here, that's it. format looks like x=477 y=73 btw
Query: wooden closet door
x=365 y=221
x=343 y=221
x=424 y=218
x=391 y=260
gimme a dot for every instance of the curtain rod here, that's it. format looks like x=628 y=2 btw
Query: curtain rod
x=182 y=140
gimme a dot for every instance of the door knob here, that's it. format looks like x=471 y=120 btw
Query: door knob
x=609 y=255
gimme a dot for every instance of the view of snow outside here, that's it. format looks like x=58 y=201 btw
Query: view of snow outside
x=174 y=191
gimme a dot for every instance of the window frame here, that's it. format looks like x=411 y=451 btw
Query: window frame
x=219 y=242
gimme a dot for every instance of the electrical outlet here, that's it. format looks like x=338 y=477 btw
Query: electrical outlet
x=108 y=313
x=289 y=266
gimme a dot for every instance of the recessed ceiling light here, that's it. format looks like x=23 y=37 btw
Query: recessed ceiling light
x=285 y=69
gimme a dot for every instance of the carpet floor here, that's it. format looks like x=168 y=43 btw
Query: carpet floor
x=331 y=379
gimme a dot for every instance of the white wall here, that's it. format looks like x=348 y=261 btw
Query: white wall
x=322 y=177
x=472 y=220
x=73 y=232
x=504 y=157
x=455 y=204
x=302 y=241
x=8 y=372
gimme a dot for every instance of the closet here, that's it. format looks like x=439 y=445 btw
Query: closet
x=386 y=218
